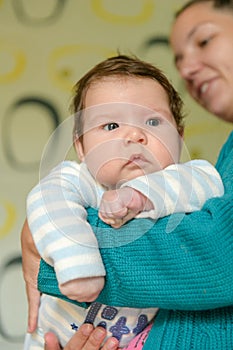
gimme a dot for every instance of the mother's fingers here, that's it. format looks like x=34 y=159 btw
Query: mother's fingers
x=30 y=264
x=84 y=339
x=88 y=338
x=33 y=296
x=51 y=342
x=110 y=344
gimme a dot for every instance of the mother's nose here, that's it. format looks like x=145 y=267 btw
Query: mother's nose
x=189 y=67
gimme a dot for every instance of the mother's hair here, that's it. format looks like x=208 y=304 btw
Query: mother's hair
x=218 y=4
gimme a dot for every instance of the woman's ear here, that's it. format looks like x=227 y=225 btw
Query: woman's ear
x=79 y=149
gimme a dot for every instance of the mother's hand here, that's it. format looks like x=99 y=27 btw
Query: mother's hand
x=31 y=263
x=86 y=338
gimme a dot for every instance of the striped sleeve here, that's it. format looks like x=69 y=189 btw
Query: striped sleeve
x=57 y=219
x=180 y=188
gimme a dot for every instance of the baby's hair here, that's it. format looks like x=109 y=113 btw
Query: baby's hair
x=123 y=66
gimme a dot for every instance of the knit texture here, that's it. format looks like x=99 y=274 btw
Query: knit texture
x=176 y=265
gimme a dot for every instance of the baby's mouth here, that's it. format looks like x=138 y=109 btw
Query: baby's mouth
x=137 y=159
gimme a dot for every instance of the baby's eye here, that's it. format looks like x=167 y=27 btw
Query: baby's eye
x=153 y=122
x=110 y=126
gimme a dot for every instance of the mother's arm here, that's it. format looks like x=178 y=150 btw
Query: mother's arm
x=188 y=267
x=31 y=262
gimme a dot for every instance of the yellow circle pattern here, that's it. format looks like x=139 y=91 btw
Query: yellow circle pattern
x=9 y=220
x=146 y=12
x=19 y=66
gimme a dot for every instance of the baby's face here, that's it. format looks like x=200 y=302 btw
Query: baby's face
x=128 y=130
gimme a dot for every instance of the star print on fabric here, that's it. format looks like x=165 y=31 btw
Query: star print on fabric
x=74 y=327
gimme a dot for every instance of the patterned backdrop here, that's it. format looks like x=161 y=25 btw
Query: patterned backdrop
x=45 y=47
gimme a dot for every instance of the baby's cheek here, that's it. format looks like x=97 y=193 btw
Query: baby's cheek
x=172 y=145
x=107 y=174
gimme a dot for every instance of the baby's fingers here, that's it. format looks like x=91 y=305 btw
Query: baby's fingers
x=118 y=222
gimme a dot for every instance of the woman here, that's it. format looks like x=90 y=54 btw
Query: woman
x=193 y=266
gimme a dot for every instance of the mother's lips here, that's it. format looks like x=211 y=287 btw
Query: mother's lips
x=204 y=87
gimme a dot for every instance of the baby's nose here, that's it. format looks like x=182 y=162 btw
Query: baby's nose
x=135 y=134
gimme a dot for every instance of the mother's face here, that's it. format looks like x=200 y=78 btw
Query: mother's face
x=202 y=41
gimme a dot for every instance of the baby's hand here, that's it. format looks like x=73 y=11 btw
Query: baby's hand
x=121 y=205
x=83 y=289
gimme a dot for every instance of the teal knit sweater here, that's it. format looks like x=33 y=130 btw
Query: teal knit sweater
x=187 y=272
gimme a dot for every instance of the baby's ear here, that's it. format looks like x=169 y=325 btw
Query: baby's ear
x=79 y=149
